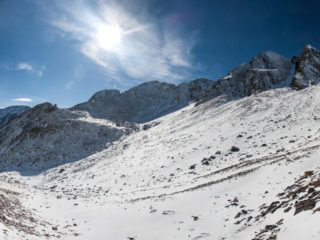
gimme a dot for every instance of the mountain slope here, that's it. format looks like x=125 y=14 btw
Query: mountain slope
x=46 y=136
x=151 y=100
x=199 y=173
x=233 y=167
x=266 y=71
x=9 y=113
x=145 y=102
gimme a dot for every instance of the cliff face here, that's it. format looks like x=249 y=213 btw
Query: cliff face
x=307 y=71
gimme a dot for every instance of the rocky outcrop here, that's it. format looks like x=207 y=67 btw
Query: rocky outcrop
x=9 y=113
x=46 y=136
x=145 y=102
x=307 y=71
x=266 y=71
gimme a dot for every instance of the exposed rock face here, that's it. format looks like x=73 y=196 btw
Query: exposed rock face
x=9 y=113
x=307 y=68
x=145 y=102
x=46 y=136
x=267 y=70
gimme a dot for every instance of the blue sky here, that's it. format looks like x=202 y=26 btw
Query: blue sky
x=63 y=51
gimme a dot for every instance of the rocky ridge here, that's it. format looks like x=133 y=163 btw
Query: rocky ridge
x=266 y=71
x=154 y=99
x=307 y=68
x=9 y=113
x=46 y=136
x=145 y=102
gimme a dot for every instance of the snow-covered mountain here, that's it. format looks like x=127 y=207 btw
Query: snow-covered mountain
x=9 y=113
x=242 y=169
x=151 y=100
x=145 y=102
x=307 y=70
x=46 y=136
x=266 y=71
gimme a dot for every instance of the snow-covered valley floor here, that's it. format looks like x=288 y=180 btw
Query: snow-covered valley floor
x=207 y=172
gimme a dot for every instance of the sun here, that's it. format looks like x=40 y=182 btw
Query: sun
x=108 y=37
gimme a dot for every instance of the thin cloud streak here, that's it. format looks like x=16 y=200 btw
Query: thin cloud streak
x=22 y=99
x=24 y=66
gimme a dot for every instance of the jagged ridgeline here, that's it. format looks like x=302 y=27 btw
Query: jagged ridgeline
x=45 y=135
x=145 y=102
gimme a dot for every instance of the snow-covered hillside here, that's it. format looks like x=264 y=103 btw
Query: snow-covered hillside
x=215 y=171
x=234 y=159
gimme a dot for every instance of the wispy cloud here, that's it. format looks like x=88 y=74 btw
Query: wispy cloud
x=22 y=99
x=145 y=51
x=24 y=66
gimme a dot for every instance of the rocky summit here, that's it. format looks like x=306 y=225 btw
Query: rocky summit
x=307 y=68
x=266 y=71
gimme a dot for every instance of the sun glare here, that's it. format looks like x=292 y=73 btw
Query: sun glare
x=108 y=37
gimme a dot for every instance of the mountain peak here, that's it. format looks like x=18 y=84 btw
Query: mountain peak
x=144 y=102
x=265 y=71
x=269 y=60
x=307 y=70
x=308 y=46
